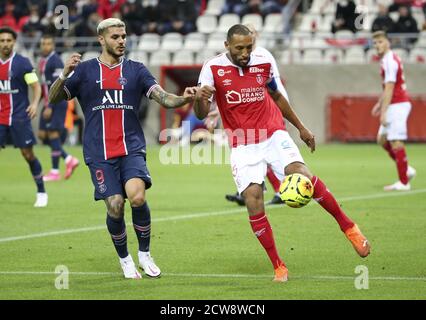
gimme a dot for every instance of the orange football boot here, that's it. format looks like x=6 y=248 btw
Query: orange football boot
x=358 y=240
x=281 y=273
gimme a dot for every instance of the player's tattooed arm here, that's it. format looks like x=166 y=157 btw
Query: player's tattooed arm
x=170 y=100
x=57 y=92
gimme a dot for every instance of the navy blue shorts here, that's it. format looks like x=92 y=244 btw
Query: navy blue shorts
x=57 y=120
x=110 y=176
x=21 y=133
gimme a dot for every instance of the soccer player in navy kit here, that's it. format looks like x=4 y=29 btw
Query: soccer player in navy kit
x=52 y=118
x=16 y=111
x=109 y=89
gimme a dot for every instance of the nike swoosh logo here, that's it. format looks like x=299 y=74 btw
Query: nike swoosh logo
x=99 y=81
x=364 y=243
x=28 y=141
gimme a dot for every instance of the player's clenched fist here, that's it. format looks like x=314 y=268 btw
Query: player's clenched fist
x=71 y=63
x=205 y=93
x=190 y=92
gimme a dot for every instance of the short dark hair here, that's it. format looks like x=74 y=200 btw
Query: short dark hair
x=48 y=36
x=238 y=29
x=10 y=31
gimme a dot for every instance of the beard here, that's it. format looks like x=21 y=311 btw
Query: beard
x=111 y=52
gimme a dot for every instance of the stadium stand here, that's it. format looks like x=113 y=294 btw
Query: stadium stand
x=311 y=31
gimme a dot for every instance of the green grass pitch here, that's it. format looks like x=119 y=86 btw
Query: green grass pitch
x=204 y=245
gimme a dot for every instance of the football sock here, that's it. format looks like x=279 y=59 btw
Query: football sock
x=117 y=230
x=36 y=171
x=55 y=145
x=401 y=164
x=64 y=155
x=263 y=231
x=142 y=225
x=275 y=182
x=390 y=151
x=326 y=200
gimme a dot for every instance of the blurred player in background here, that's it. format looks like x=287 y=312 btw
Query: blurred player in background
x=393 y=108
x=109 y=89
x=52 y=118
x=244 y=87
x=16 y=111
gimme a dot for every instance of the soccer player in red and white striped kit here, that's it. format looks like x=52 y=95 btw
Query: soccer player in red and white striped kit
x=393 y=108
x=243 y=85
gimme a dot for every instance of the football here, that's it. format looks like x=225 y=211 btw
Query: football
x=296 y=190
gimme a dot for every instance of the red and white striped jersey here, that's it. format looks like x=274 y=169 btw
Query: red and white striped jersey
x=392 y=70
x=248 y=112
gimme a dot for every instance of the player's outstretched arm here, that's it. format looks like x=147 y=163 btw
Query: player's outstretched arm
x=171 y=101
x=202 y=101
x=287 y=111
x=57 y=92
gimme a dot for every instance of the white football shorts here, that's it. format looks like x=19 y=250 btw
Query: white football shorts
x=396 y=118
x=249 y=162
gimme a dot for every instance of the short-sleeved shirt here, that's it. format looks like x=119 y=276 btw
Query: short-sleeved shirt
x=50 y=68
x=391 y=70
x=14 y=89
x=110 y=97
x=248 y=112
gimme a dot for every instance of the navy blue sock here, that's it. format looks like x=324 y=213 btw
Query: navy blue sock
x=142 y=224
x=36 y=171
x=64 y=155
x=55 y=145
x=117 y=230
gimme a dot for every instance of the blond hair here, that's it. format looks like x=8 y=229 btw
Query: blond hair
x=108 y=23
x=379 y=34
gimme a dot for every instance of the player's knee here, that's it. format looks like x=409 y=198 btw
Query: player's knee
x=298 y=167
x=41 y=135
x=397 y=144
x=116 y=208
x=53 y=134
x=137 y=200
x=28 y=154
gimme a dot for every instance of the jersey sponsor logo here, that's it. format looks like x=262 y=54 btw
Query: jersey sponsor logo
x=5 y=87
x=221 y=72
x=233 y=97
x=256 y=70
x=116 y=98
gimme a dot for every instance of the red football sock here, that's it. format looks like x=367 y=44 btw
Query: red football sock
x=401 y=164
x=329 y=203
x=387 y=146
x=263 y=231
x=275 y=182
